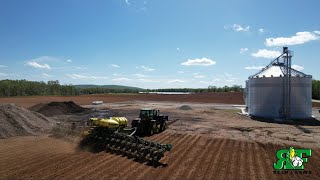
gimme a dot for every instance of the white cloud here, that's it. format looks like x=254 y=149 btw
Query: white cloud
x=176 y=81
x=69 y=60
x=261 y=30
x=77 y=76
x=3 y=66
x=180 y=72
x=38 y=65
x=149 y=80
x=80 y=68
x=228 y=75
x=115 y=74
x=239 y=28
x=140 y=75
x=46 y=75
x=199 y=62
x=214 y=81
x=297 y=67
x=199 y=76
x=317 y=32
x=47 y=59
x=114 y=66
x=178 y=49
x=121 y=79
x=264 y=53
x=84 y=76
x=3 y=74
x=299 y=38
x=145 y=68
x=254 y=67
x=127 y=2
x=243 y=50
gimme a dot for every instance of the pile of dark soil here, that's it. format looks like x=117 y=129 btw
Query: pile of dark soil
x=17 y=121
x=57 y=108
x=185 y=107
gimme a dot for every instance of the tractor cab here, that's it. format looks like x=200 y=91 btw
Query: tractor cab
x=150 y=122
x=148 y=114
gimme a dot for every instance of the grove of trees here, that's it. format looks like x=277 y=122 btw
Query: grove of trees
x=10 y=88
x=32 y=88
x=234 y=88
x=316 y=89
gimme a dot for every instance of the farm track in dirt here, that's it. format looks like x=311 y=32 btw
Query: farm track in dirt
x=192 y=157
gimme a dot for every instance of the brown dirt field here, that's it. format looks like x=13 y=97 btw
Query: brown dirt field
x=208 y=143
x=221 y=97
x=193 y=157
x=227 y=98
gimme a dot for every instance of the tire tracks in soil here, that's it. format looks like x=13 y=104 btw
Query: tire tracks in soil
x=225 y=162
x=28 y=159
x=68 y=166
x=240 y=170
x=268 y=164
x=31 y=166
x=213 y=166
x=234 y=160
x=274 y=149
x=83 y=168
x=25 y=157
x=260 y=167
x=58 y=163
x=250 y=162
x=188 y=161
x=100 y=164
x=179 y=157
x=198 y=160
x=21 y=150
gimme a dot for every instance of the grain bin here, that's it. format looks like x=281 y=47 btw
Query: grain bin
x=279 y=91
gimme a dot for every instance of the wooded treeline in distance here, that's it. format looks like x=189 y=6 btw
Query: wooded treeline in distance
x=10 y=88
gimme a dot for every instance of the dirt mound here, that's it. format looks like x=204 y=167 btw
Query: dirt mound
x=17 y=121
x=185 y=107
x=57 y=108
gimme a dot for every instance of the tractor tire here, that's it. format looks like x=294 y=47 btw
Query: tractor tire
x=151 y=132
x=164 y=126
x=158 y=129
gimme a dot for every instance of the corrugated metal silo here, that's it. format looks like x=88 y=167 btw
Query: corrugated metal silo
x=279 y=92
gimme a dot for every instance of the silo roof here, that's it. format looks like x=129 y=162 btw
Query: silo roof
x=278 y=70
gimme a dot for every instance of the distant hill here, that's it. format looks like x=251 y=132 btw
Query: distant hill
x=82 y=86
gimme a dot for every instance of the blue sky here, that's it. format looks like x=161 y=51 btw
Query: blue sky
x=154 y=44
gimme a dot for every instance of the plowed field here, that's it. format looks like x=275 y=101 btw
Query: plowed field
x=192 y=157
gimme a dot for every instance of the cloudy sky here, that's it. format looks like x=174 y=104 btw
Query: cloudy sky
x=154 y=44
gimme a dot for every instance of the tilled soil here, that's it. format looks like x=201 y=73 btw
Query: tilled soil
x=192 y=157
x=221 y=97
x=214 y=97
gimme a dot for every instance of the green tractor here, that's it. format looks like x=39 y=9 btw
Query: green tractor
x=150 y=122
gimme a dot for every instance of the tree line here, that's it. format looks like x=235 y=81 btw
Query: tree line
x=234 y=88
x=34 y=88
x=10 y=88
x=316 y=89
